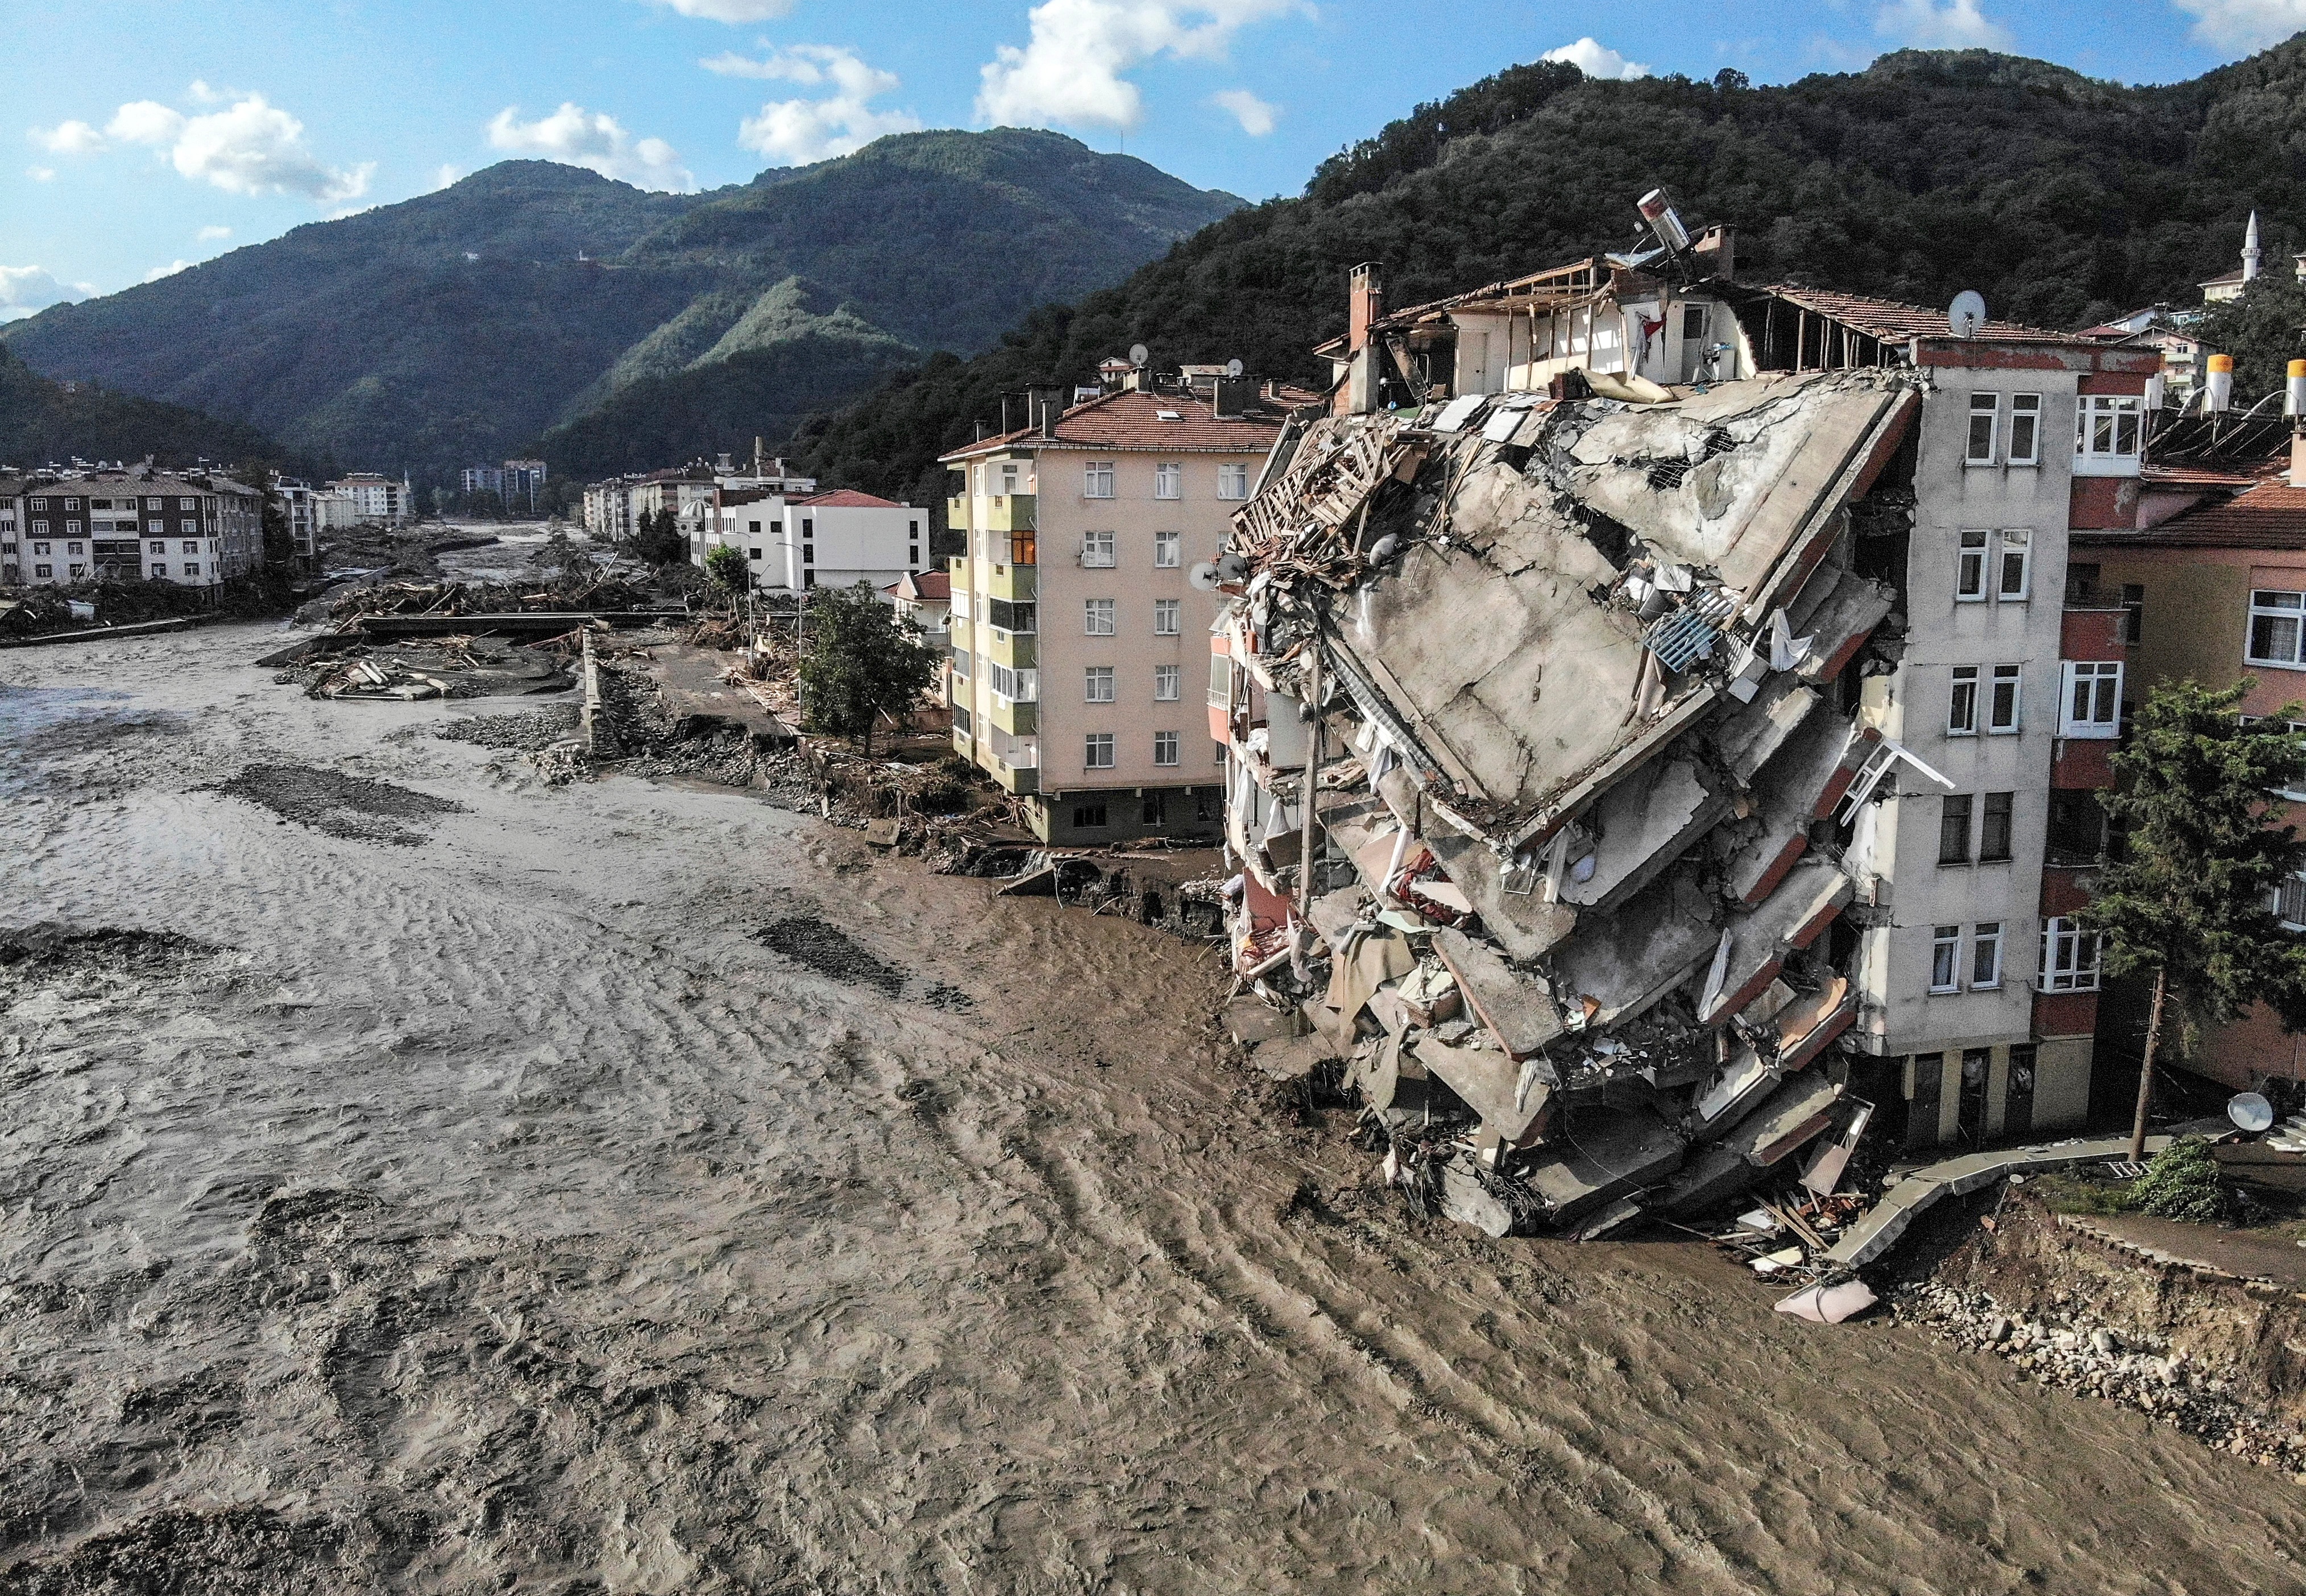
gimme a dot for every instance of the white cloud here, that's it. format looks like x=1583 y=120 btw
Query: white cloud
x=68 y=138
x=798 y=131
x=447 y=173
x=595 y=140
x=1597 y=60
x=252 y=147
x=210 y=234
x=42 y=174
x=24 y=289
x=1070 y=70
x=1956 y=25
x=1256 y=117
x=2244 y=26
x=204 y=95
x=170 y=271
x=729 y=11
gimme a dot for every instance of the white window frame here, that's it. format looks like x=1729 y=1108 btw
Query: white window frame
x=1098 y=618
x=1946 y=960
x=2288 y=902
x=1971 y=560
x=1168 y=683
x=961 y=664
x=1985 y=951
x=1169 y=480
x=1233 y=481
x=1168 y=551
x=2017 y=542
x=2104 y=419
x=1017 y=686
x=2025 y=417
x=2015 y=676
x=1168 y=743
x=1096 y=751
x=1097 y=684
x=1097 y=479
x=2093 y=685
x=1985 y=408
x=1168 y=617
x=1098 y=551
x=2069 y=957
x=1962 y=703
x=2266 y=604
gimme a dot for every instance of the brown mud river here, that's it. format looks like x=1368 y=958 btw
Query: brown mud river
x=414 y=1177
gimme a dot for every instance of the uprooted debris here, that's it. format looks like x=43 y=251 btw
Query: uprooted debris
x=339 y=805
x=1569 y=680
x=344 y=666
x=529 y=731
x=595 y=592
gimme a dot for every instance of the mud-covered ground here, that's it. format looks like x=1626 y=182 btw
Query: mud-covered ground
x=632 y=1188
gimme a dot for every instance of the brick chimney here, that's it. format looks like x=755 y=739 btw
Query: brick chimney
x=1365 y=304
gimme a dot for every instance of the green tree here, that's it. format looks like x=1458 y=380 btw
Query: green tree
x=2190 y=900
x=861 y=662
x=2264 y=331
x=2182 y=1182
x=729 y=570
x=657 y=539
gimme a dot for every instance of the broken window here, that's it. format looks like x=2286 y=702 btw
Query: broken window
x=1969 y=575
x=2016 y=564
x=2077 y=827
x=1096 y=618
x=2273 y=629
x=1098 y=688
x=1953 y=828
x=1165 y=747
x=1167 y=549
x=1168 y=683
x=1096 y=549
x=1986 y=956
x=1096 y=751
x=1961 y=703
x=2069 y=957
x=1985 y=419
x=2092 y=699
x=2025 y=428
x=2001 y=704
x=1996 y=827
x=1945 y=958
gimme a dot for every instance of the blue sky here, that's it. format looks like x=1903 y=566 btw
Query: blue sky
x=225 y=123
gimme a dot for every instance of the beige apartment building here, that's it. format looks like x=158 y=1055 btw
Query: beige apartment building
x=1080 y=640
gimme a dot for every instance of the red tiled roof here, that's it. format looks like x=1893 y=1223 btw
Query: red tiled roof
x=2196 y=477
x=929 y=585
x=1891 y=321
x=1132 y=420
x=2270 y=516
x=848 y=498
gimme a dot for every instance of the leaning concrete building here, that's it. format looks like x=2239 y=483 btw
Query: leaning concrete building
x=1679 y=760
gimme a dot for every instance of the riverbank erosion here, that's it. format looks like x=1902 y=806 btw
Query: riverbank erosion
x=546 y=1203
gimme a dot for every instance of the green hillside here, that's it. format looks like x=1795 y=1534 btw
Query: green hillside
x=461 y=325
x=2062 y=200
x=40 y=422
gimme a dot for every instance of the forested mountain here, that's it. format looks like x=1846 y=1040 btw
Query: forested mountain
x=2062 y=200
x=459 y=325
x=41 y=421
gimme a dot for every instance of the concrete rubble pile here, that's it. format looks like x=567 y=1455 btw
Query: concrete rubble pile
x=1579 y=684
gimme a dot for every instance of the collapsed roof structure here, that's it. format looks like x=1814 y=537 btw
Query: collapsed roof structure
x=1547 y=736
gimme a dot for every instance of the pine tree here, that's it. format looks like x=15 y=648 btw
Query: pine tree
x=861 y=662
x=2191 y=900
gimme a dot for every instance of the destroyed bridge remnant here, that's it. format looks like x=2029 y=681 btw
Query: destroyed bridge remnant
x=1583 y=749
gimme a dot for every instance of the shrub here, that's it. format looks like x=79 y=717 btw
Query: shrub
x=2182 y=1182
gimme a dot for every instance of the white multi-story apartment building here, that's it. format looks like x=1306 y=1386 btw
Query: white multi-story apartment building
x=366 y=497
x=191 y=528
x=792 y=543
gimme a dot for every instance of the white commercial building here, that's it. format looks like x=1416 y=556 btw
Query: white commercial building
x=794 y=543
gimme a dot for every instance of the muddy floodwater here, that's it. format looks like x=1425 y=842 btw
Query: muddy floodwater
x=416 y=1178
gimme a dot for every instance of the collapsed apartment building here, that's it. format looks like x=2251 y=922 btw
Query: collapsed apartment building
x=1640 y=784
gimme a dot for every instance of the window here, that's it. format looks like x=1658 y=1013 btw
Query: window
x=2289 y=904
x=1233 y=481
x=190 y=528
x=1220 y=682
x=39 y=548
x=191 y=568
x=1088 y=817
x=40 y=504
x=960 y=663
x=2016 y=564
x=1156 y=808
x=1986 y=956
x=808 y=554
x=188 y=504
x=1096 y=751
x=1168 y=548
x=2133 y=613
x=159 y=570
x=1165 y=747
x=1096 y=480
x=1985 y=414
x=2273 y=629
x=2002 y=704
x=1009 y=479
x=1004 y=615
x=2092 y=700
x=44 y=570
x=1166 y=614
x=752 y=554
x=1096 y=618
x=73 y=504
x=192 y=546
x=2069 y=957
x=1096 y=549
x=1994 y=834
x=1969 y=574
x=1168 y=683
x=1945 y=958
x=1169 y=481
x=77 y=549
x=2107 y=425
x=2025 y=428
x=1953 y=828
x=1018 y=686
x=1098 y=686
x=152 y=504
x=1961 y=703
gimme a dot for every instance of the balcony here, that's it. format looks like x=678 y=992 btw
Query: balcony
x=1017 y=717
x=1018 y=581
x=1020 y=650
x=1006 y=514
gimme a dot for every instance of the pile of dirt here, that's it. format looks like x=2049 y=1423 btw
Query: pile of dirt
x=530 y=731
x=49 y=951
x=648 y=742
x=832 y=952
x=341 y=805
x=237 y=1550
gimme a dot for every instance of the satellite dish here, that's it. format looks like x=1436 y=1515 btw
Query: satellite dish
x=1232 y=368
x=2250 y=1112
x=1204 y=575
x=1967 y=314
x=1138 y=355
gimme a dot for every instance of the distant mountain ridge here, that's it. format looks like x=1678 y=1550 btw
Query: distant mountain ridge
x=462 y=325
x=42 y=419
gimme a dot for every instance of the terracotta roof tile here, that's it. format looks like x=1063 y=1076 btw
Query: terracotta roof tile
x=2270 y=516
x=1889 y=320
x=1133 y=421
x=848 y=498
